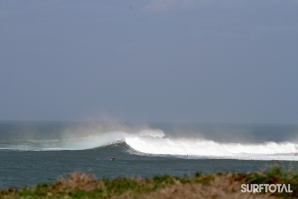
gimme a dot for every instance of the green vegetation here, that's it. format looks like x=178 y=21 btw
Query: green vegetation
x=221 y=185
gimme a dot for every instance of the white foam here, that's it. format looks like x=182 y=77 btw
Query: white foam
x=207 y=148
x=154 y=141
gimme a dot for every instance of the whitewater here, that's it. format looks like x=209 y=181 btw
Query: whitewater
x=149 y=141
x=40 y=152
x=198 y=148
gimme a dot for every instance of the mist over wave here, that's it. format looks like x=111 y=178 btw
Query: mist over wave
x=144 y=140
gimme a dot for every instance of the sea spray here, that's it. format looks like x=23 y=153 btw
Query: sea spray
x=143 y=140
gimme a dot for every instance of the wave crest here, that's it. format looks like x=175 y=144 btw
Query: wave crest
x=200 y=148
x=155 y=142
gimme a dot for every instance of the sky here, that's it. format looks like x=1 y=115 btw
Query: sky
x=209 y=61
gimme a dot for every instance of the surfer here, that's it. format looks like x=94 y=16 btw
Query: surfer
x=112 y=158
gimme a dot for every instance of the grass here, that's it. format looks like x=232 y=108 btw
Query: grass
x=220 y=185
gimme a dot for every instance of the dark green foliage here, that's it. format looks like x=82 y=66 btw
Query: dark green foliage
x=121 y=185
x=198 y=174
x=205 y=180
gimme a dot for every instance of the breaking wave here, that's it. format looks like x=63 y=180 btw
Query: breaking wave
x=197 y=148
x=155 y=142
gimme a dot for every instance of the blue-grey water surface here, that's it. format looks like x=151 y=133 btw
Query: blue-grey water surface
x=40 y=152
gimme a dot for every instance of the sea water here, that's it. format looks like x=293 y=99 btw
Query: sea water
x=40 y=152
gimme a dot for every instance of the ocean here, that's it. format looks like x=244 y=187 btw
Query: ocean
x=40 y=152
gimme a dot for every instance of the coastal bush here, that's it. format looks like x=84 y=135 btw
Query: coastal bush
x=221 y=185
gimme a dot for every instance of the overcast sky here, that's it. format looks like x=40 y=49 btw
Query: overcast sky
x=154 y=60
